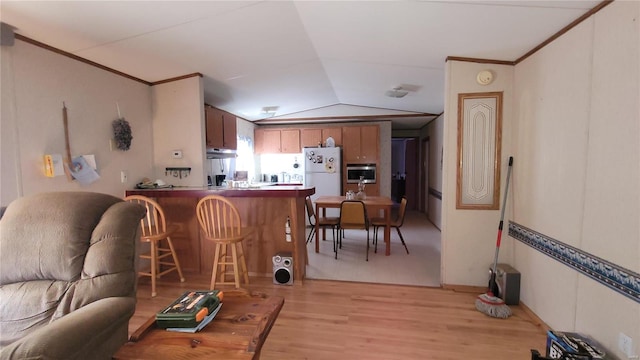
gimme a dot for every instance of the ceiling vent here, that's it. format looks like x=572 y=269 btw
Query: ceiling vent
x=396 y=92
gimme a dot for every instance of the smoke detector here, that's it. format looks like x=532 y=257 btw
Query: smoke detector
x=396 y=92
x=485 y=77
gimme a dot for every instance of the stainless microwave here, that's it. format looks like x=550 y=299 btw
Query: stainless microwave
x=355 y=171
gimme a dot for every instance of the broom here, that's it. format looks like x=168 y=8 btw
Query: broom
x=490 y=302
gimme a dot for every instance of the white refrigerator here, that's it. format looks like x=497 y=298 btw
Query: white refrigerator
x=322 y=170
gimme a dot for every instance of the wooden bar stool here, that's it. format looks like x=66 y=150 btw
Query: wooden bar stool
x=154 y=230
x=220 y=222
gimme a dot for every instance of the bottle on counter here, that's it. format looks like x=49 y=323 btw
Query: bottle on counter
x=287 y=230
x=361 y=185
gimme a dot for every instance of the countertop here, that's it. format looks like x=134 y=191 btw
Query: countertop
x=256 y=190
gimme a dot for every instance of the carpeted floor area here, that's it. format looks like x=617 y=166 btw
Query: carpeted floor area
x=420 y=267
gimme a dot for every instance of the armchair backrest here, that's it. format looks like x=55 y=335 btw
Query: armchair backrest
x=63 y=250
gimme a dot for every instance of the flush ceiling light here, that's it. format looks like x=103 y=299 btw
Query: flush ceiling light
x=269 y=111
x=396 y=92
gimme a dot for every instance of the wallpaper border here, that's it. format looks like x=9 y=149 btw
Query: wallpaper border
x=622 y=280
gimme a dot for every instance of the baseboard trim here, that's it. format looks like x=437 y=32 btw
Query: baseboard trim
x=535 y=318
x=465 y=288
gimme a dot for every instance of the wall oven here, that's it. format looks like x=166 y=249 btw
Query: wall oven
x=355 y=171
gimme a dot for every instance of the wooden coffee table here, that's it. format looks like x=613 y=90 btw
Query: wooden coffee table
x=237 y=332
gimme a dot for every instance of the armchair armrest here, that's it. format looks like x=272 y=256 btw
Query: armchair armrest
x=82 y=334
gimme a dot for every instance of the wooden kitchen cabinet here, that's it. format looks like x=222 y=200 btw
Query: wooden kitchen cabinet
x=311 y=137
x=334 y=132
x=267 y=141
x=360 y=144
x=220 y=129
x=351 y=146
x=290 y=141
x=369 y=143
x=277 y=141
x=258 y=141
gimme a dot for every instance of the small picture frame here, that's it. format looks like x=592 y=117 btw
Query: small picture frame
x=479 y=146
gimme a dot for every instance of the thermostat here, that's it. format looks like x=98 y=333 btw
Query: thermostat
x=176 y=154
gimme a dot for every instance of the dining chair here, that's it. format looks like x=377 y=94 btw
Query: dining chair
x=220 y=222
x=323 y=222
x=396 y=223
x=353 y=215
x=154 y=229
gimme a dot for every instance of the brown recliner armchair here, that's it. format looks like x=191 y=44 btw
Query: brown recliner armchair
x=67 y=275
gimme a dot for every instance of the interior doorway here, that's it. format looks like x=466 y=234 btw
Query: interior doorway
x=405 y=171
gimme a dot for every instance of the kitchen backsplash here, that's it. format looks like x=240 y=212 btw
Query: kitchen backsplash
x=266 y=164
x=276 y=164
x=220 y=166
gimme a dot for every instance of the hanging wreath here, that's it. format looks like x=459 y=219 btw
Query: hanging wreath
x=122 y=134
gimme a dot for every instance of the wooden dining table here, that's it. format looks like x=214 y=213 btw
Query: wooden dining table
x=373 y=204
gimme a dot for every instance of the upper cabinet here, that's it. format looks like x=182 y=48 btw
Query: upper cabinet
x=277 y=141
x=290 y=141
x=333 y=132
x=267 y=141
x=221 y=129
x=360 y=144
x=311 y=137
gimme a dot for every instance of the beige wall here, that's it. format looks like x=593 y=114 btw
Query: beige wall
x=576 y=130
x=572 y=123
x=434 y=131
x=35 y=82
x=384 y=173
x=469 y=236
x=178 y=124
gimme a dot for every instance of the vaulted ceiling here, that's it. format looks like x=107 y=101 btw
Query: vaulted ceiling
x=310 y=59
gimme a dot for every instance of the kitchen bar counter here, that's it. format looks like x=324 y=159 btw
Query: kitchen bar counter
x=264 y=208
x=266 y=191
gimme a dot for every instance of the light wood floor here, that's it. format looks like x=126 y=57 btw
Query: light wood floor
x=344 y=320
